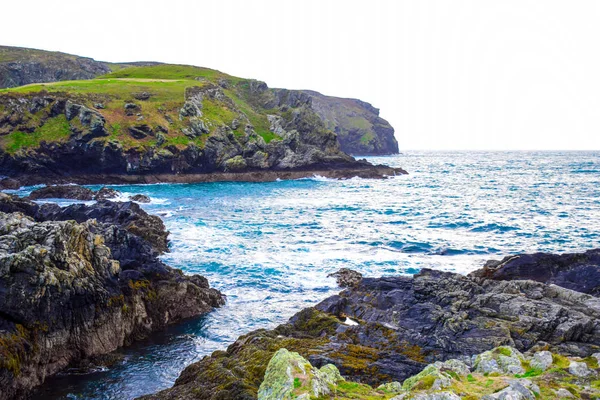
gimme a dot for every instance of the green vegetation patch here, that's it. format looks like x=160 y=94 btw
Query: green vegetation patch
x=55 y=129
x=168 y=71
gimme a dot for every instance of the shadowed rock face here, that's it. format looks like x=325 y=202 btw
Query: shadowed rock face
x=70 y=291
x=575 y=271
x=360 y=129
x=404 y=323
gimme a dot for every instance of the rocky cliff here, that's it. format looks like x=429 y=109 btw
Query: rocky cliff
x=70 y=291
x=22 y=66
x=359 y=128
x=389 y=329
x=237 y=106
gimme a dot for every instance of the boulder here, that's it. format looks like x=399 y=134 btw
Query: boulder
x=106 y=193
x=9 y=183
x=140 y=198
x=575 y=271
x=62 y=192
x=346 y=277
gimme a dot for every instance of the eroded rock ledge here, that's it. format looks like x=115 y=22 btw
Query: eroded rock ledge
x=399 y=325
x=82 y=281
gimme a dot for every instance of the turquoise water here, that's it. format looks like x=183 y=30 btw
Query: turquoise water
x=270 y=246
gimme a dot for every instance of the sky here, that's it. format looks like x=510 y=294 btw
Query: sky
x=448 y=75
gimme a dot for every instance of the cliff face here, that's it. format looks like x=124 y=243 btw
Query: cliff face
x=360 y=129
x=136 y=123
x=355 y=124
x=20 y=66
x=70 y=291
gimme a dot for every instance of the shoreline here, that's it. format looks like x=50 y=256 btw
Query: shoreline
x=367 y=172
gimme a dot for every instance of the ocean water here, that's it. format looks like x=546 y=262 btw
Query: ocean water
x=270 y=246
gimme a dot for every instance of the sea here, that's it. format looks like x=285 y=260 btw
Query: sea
x=270 y=246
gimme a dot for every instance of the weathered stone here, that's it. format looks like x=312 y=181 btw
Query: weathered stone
x=576 y=271
x=501 y=359
x=140 y=198
x=71 y=291
x=106 y=193
x=579 y=369
x=62 y=192
x=346 y=277
x=541 y=360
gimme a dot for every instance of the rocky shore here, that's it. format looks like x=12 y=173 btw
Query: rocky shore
x=385 y=330
x=81 y=281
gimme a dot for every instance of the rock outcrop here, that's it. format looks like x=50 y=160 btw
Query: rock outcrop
x=21 y=66
x=576 y=271
x=60 y=137
x=74 y=192
x=291 y=376
x=359 y=128
x=404 y=324
x=70 y=291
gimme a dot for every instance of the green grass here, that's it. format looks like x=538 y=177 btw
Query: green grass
x=54 y=130
x=168 y=71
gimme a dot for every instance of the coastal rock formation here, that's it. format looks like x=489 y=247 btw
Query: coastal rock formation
x=203 y=121
x=72 y=290
x=291 y=376
x=126 y=215
x=21 y=66
x=62 y=192
x=404 y=324
x=359 y=128
x=61 y=138
x=576 y=271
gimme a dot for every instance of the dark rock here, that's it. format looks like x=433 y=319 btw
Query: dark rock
x=575 y=271
x=9 y=183
x=106 y=193
x=63 y=192
x=131 y=109
x=403 y=324
x=99 y=106
x=346 y=277
x=63 y=299
x=141 y=131
x=142 y=96
x=140 y=198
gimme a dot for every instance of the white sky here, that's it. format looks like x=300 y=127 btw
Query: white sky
x=447 y=74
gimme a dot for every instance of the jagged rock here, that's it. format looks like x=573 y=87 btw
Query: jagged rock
x=502 y=359
x=71 y=291
x=579 y=369
x=142 y=96
x=106 y=193
x=236 y=163
x=436 y=396
x=541 y=360
x=576 y=271
x=346 y=277
x=62 y=192
x=88 y=118
x=141 y=131
x=140 y=198
x=522 y=389
x=288 y=372
x=8 y=183
x=405 y=324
